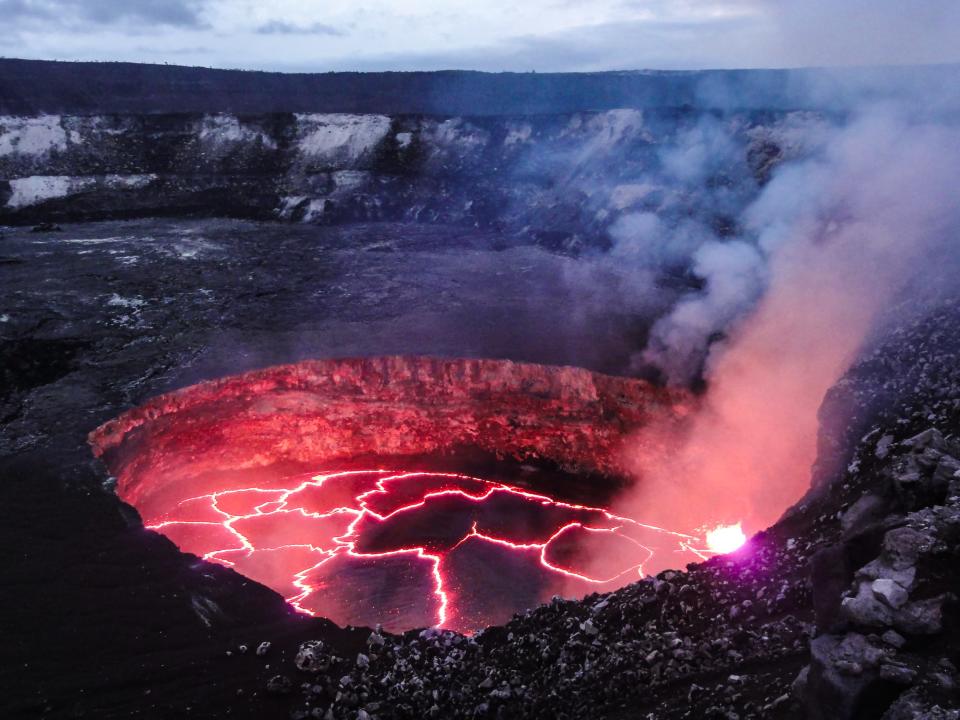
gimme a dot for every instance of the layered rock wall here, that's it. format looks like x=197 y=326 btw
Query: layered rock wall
x=320 y=414
x=563 y=180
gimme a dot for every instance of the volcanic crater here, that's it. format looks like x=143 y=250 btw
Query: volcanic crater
x=403 y=491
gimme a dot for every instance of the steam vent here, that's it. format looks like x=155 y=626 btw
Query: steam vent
x=345 y=485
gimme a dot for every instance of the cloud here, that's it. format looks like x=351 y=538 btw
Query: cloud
x=695 y=34
x=865 y=32
x=542 y=35
x=281 y=27
x=66 y=13
x=631 y=44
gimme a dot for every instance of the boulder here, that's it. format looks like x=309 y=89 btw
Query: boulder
x=313 y=657
x=922 y=617
x=864 y=512
x=833 y=689
x=898 y=674
x=279 y=685
x=877 y=569
x=902 y=547
x=866 y=609
x=830 y=578
x=889 y=592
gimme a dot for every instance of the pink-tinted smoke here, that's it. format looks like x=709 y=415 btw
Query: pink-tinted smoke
x=843 y=237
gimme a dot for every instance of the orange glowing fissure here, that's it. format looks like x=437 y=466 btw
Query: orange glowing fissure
x=330 y=540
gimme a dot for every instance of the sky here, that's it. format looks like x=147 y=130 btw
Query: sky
x=491 y=35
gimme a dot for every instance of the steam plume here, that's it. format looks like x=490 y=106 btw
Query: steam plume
x=829 y=245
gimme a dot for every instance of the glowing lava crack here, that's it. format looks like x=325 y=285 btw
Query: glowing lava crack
x=413 y=549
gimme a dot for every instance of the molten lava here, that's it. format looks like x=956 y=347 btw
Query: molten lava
x=413 y=549
x=226 y=470
x=725 y=538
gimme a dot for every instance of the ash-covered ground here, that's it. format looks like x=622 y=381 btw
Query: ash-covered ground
x=841 y=609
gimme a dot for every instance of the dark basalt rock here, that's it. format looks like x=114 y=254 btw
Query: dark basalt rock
x=842 y=677
x=46 y=227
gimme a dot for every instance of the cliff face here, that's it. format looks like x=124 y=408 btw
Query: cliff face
x=35 y=86
x=321 y=414
x=563 y=180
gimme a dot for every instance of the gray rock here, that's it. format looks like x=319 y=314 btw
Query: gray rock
x=312 y=657
x=883 y=446
x=866 y=609
x=279 y=685
x=921 y=617
x=893 y=639
x=854 y=647
x=889 y=592
x=912 y=706
x=902 y=547
x=897 y=674
x=876 y=569
x=932 y=438
x=908 y=481
x=848 y=667
x=799 y=685
x=830 y=577
x=947 y=468
x=831 y=694
x=863 y=513
x=944 y=681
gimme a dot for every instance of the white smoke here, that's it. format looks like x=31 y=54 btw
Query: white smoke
x=733 y=273
x=830 y=244
x=664 y=237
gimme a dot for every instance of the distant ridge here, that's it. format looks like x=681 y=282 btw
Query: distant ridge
x=30 y=87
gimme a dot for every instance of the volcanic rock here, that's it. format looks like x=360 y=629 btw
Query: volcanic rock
x=921 y=617
x=841 y=670
x=899 y=674
x=893 y=638
x=863 y=513
x=92 y=359
x=317 y=413
x=313 y=657
x=866 y=609
x=279 y=685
